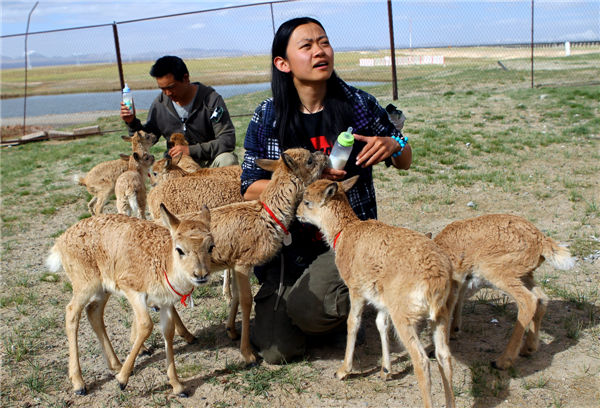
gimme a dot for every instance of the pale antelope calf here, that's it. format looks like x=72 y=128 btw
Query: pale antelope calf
x=185 y=192
x=130 y=187
x=168 y=168
x=503 y=250
x=404 y=274
x=250 y=233
x=100 y=180
x=149 y=264
x=187 y=163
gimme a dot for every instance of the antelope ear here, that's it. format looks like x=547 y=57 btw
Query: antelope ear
x=124 y=157
x=267 y=164
x=329 y=192
x=349 y=183
x=429 y=235
x=166 y=162
x=169 y=220
x=205 y=213
x=177 y=158
x=126 y=138
x=289 y=162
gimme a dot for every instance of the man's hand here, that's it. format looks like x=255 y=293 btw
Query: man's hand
x=332 y=174
x=175 y=150
x=127 y=115
x=377 y=149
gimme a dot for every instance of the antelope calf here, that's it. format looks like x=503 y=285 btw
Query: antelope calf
x=404 y=274
x=130 y=187
x=503 y=250
x=185 y=192
x=187 y=162
x=149 y=264
x=100 y=180
x=168 y=168
x=250 y=233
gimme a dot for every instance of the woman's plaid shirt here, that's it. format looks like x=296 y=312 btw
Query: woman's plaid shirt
x=369 y=119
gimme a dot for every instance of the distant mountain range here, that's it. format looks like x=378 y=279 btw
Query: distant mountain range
x=37 y=59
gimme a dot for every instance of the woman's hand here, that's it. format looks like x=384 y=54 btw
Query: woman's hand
x=333 y=174
x=377 y=149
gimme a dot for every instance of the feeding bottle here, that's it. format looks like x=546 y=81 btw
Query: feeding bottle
x=128 y=98
x=341 y=150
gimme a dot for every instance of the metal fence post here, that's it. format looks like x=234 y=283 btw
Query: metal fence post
x=118 y=52
x=532 y=44
x=26 y=62
x=393 y=51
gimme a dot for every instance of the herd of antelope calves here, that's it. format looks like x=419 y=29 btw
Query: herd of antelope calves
x=206 y=226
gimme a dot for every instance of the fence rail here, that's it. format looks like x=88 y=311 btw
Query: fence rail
x=102 y=57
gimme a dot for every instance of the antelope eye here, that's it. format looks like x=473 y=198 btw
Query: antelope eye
x=210 y=248
x=310 y=160
x=180 y=251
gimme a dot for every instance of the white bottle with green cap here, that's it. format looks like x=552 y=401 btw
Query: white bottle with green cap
x=341 y=150
x=128 y=98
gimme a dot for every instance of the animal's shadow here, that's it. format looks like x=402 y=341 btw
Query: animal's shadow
x=210 y=337
x=487 y=326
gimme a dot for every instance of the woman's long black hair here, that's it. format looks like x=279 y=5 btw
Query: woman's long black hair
x=337 y=109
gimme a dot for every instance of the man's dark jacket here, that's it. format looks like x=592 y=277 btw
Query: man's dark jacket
x=208 y=129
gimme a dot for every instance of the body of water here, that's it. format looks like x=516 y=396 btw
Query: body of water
x=110 y=101
x=103 y=101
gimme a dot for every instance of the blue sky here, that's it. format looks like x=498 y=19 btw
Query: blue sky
x=350 y=24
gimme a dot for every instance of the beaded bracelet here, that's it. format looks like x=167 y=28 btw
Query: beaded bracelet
x=402 y=141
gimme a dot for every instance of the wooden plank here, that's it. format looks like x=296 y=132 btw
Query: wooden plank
x=41 y=135
x=89 y=130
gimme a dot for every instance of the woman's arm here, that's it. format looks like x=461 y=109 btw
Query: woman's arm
x=253 y=191
x=379 y=148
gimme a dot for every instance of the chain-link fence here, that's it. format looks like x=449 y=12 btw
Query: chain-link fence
x=445 y=45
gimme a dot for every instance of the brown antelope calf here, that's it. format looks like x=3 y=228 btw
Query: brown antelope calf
x=168 y=168
x=147 y=263
x=503 y=250
x=130 y=187
x=404 y=274
x=187 y=163
x=100 y=180
x=250 y=233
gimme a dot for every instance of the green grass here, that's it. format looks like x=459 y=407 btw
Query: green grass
x=478 y=135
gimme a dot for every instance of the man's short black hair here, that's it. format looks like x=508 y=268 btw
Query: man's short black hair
x=169 y=64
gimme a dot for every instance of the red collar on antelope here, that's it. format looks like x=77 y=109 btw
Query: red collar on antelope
x=287 y=239
x=336 y=238
x=183 y=297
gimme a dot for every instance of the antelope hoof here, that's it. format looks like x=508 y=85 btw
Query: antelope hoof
x=384 y=374
x=232 y=333
x=528 y=350
x=183 y=394
x=122 y=386
x=499 y=366
x=341 y=374
x=81 y=391
x=146 y=352
x=191 y=340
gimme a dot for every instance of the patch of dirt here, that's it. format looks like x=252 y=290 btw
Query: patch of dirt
x=13 y=132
